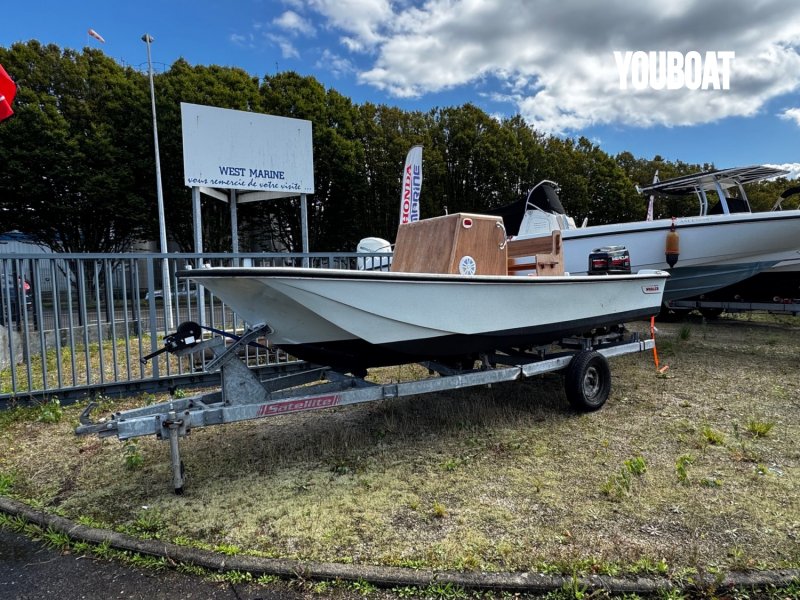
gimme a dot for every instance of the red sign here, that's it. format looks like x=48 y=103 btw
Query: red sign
x=8 y=89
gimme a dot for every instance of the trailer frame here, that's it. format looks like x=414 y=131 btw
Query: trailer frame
x=244 y=396
x=709 y=307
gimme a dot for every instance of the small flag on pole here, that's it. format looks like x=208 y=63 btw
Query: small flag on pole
x=8 y=89
x=96 y=36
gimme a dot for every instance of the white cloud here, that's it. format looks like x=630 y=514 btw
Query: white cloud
x=361 y=20
x=791 y=114
x=294 y=24
x=239 y=39
x=335 y=64
x=287 y=48
x=555 y=59
x=793 y=168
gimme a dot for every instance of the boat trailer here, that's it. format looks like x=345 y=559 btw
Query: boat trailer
x=712 y=308
x=243 y=396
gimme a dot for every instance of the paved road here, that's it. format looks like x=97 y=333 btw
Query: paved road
x=30 y=571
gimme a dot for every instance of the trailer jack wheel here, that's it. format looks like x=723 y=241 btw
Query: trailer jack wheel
x=587 y=381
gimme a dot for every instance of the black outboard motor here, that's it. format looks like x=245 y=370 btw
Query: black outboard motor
x=610 y=260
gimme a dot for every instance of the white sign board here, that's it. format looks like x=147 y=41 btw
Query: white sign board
x=240 y=150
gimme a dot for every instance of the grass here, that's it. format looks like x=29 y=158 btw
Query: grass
x=127 y=365
x=500 y=478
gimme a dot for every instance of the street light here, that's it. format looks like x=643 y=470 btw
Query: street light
x=148 y=39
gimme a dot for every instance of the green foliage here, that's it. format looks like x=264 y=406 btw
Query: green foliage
x=55 y=539
x=671 y=594
x=650 y=567
x=238 y=577
x=145 y=561
x=88 y=521
x=84 y=120
x=439 y=510
x=228 y=549
x=636 y=465
x=712 y=436
x=682 y=467
x=103 y=550
x=133 y=457
x=685 y=332
x=759 y=429
x=148 y=524
x=51 y=412
x=363 y=587
x=573 y=589
x=191 y=569
x=17 y=413
x=75 y=148
x=444 y=591
x=6 y=483
x=82 y=548
x=620 y=483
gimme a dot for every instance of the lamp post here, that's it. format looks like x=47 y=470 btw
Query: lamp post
x=148 y=39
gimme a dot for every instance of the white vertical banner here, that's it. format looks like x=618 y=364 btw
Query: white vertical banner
x=652 y=198
x=412 y=186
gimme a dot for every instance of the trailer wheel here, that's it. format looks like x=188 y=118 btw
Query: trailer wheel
x=587 y=381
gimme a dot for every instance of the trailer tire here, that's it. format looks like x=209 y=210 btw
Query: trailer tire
x=587 y=381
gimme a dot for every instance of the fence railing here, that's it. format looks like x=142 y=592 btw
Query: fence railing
x=75 y=324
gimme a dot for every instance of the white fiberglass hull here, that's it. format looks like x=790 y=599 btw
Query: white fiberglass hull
x=371 y=318
x=715 y=250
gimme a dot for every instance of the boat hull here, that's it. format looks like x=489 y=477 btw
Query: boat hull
x=358 y=319
x=715 y=250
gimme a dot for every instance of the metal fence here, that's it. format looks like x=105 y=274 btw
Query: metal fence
x=78 y=324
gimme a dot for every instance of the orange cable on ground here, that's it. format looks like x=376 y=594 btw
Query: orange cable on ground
x=655 y=352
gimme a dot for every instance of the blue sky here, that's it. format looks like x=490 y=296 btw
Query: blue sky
x=550 y=60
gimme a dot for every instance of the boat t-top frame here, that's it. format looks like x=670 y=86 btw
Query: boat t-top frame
x=244 y=396
x=718 y=181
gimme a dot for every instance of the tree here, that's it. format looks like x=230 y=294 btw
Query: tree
x=484 y=162
x=224 y=87
x=339 y=178
x=79 y=170
x=386 y=134
x=641 y=172
x=73 y=164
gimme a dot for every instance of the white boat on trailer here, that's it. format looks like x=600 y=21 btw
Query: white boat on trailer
x=353 y=320
x=725 y=243
x=512 y=325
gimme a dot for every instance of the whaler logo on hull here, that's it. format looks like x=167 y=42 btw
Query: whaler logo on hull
x=299 y=405
x=651 y=289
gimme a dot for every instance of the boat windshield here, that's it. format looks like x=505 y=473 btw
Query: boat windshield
x=543 y=196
